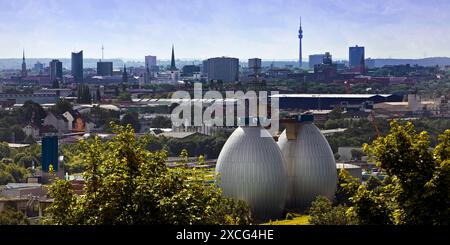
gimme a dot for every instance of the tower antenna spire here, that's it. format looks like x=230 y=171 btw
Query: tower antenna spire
x=300 y=36
x=103 y=50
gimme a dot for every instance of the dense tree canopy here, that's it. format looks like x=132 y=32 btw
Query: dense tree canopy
x=126 y=184
x=421 y=177
x=415 y=191
x=11 y=216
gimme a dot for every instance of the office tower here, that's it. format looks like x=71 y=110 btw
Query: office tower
x=172 y=61
x=300 y=36
x=356 y=59
x=315 y=59
x=55 y=70
x=77 y=66
x=104 y=68
x=223 y=68
x=254 y=66
x=24 y=66
x=150 y=62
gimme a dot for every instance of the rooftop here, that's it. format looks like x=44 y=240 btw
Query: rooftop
x=349 y=96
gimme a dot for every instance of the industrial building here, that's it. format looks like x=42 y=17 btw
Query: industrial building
x=250 y=167
x=272 y=177
x=309 y=160
x=315 y=59
x=330 y=101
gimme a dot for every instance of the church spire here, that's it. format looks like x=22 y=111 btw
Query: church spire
x=125 y=74
x=172 y=61
x=24 y=65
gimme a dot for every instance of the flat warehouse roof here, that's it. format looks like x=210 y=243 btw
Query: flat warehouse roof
x=347 y=96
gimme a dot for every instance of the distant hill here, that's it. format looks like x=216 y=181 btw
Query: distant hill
x=432 y=61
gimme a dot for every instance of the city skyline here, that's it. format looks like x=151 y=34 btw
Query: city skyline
x=203 y=29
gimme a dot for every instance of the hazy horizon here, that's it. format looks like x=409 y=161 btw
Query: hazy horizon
x=268 y=29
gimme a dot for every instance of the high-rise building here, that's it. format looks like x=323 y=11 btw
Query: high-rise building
x=104 y=68
x=55 y=70
x=356 y=59
x=315 y=59
x=24 y=66
x=150 y=62
x=300 y=36
x=225 y=69
x=254 y=65
x=77 y=66
x=172 y=61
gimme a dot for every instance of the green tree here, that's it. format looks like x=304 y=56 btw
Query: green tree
x=322 y=212
x=62 y=106
x=347 y=187
x=126 y=184
x=421 y=178
x=124 y=96
x=131 y=118
x=368 y=208
x=373 y=183
x=357 y=154
x=31 y=112
x=11 y=216
x=5 y=151
x=5 y=177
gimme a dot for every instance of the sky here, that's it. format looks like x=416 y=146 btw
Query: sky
x=131 y=29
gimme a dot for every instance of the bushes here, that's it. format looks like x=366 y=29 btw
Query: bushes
x=12 y=217
x=322 y=212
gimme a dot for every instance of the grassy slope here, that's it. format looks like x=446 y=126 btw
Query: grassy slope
x=298 y=219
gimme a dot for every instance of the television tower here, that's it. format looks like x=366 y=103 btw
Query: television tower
x=300 y=36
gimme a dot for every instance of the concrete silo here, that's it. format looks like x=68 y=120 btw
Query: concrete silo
x=250 y=167
x=310 y=163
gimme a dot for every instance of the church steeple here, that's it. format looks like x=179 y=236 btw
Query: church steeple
x=125 y=74
x=24 y=65
x=172 y=61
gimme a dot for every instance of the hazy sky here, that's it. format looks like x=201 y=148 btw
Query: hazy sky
x=239 y=28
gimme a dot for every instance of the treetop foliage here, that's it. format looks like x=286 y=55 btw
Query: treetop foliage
x=127 y=184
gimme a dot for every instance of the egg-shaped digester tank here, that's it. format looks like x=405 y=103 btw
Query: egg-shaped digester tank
x=250 y=167
x=310 y=163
